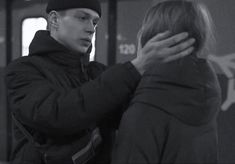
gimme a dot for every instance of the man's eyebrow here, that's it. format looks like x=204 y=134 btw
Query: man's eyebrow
x=87 y=14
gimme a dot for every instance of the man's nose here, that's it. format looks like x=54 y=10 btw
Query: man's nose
x=90 y=28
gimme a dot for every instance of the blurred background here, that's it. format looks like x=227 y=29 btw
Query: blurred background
x=115 y=42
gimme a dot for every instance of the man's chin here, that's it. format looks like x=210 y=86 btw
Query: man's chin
x=82 y=50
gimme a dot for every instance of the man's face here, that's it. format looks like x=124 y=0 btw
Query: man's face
x=76 y=28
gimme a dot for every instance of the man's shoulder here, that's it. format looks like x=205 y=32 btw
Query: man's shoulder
x=24 y=60
x=19 y=62
x=24 y=63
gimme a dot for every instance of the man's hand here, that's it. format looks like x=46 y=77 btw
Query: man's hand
x=162 y=48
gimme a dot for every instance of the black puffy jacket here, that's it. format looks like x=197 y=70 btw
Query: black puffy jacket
x=172 y=117
x=57 y=94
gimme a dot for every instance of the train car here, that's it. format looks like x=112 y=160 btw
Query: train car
x=115 y=42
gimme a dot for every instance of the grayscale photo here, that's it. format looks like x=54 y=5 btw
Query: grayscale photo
x=117 y=82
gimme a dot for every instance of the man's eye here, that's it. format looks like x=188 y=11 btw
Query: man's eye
x=82 y=18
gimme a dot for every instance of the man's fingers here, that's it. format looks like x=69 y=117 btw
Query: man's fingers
x=162 y=41
x=172 y=51
x=174 y=40
x=186 y=52
x=160 y=36
x=180 y=47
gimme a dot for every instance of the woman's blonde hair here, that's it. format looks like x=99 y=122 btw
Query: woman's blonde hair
x=180 y=16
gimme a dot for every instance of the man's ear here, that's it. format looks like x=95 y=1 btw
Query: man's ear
x=53 y=18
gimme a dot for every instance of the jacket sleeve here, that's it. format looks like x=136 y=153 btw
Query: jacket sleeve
x=137 y=141
x=37 y=103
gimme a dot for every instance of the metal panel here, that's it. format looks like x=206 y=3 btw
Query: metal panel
x=3 y=112
x=3 y=119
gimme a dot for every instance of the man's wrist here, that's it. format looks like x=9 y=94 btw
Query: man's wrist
x=138 y=66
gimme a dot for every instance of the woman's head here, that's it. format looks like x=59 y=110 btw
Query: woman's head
x=179 y=16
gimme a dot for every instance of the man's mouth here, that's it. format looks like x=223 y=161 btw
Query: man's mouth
x=86 y=40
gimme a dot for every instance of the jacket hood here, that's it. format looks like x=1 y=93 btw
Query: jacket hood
x=187 y=89
x=43 y=44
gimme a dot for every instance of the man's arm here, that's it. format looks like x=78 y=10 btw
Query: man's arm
x=39 y=104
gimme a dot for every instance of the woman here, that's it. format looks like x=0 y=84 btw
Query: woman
x=172 y=117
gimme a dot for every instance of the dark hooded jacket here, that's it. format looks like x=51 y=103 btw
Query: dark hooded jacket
x=172 y=117
x=57 y=94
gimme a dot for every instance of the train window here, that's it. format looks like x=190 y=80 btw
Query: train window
x=29 y=27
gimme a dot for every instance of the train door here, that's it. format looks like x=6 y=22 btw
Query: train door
x=129 y=20
x=24 y=15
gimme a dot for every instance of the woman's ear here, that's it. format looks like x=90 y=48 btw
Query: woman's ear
x=53 y=18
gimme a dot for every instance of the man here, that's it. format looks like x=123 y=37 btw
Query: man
x=58 y=98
